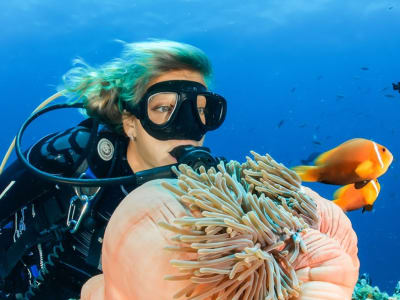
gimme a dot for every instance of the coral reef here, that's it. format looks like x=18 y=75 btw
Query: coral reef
x=363 y=290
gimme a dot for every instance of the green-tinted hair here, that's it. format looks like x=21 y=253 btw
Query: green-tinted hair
x=102 y=89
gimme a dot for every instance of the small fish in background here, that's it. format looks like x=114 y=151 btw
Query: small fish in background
x=339 y=97
x=315 y=138
x=292 y=90
x=396 y=87
x=364 y=68
x=355 y=160
x=302 y=125
x=389 y=96
x=390 y=7
x=281 y=122
x=352 y=197
x=310 y=158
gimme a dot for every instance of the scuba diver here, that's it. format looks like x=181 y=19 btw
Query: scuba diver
x=148 y=110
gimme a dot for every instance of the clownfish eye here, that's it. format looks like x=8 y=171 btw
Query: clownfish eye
x=383 y=149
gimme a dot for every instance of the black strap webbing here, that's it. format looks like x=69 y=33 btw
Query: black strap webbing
x=33 y=235
x=12 y=255
x=96 y=243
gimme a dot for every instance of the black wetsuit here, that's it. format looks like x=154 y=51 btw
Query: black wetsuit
x=34 y=212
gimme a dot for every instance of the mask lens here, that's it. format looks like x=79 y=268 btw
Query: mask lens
x=211 y=110
x=201 y=108
x=161 y=106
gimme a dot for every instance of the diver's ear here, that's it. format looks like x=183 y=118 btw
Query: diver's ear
x=130 y=128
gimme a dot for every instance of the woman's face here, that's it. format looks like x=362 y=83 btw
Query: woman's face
x=146 y=152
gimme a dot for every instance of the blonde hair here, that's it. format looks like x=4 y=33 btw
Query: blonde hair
x=103 y=89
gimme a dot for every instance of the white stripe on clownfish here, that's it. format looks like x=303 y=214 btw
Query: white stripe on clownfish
x=375 y=187
x=378 y=154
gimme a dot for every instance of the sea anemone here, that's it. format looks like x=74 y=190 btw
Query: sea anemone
x=244 y=227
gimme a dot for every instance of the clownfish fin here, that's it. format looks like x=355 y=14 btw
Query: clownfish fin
x=354 y=140
x=321 y=159
x=367 y=207
x=338 y=197
x=339 y=192
x=307 y=173
x=340 y=204
x=361 y=184
x=364 y=169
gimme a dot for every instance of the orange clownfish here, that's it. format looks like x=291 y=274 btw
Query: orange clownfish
x=355 y=160
x=351 y=197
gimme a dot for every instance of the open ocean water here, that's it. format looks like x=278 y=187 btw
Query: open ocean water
x=300 y=76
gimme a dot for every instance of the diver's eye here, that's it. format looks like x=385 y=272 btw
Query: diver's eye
x=163 y=109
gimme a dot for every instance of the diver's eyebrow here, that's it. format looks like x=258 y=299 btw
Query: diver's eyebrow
x=378 y=154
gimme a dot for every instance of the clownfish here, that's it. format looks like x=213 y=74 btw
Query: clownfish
x=355 y=160
x=351 y=197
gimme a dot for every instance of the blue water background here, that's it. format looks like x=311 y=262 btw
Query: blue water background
x=290 y=70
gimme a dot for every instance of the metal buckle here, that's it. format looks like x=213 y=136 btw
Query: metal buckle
x=79 y=204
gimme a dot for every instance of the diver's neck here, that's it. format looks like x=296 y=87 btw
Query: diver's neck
x=135 y=161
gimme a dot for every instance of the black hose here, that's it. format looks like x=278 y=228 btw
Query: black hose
x=45 y=272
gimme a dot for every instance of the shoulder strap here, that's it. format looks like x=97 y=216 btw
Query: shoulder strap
x=63 y=152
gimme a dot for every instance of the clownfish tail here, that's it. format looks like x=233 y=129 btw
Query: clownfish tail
x=307 y=173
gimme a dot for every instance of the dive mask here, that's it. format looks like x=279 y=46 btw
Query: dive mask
x=179 y=110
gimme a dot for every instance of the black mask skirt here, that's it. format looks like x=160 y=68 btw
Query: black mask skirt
x=179 y=110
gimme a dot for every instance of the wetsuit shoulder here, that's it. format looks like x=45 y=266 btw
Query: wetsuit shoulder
x=68 y=153
x=56 y=153
x=61 y=153
x=72 y=152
